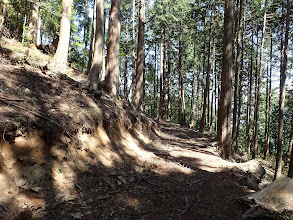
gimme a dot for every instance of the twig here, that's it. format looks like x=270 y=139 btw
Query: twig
x=4 y=207
x=11 y=100
x=186 y=205
x=143 y=178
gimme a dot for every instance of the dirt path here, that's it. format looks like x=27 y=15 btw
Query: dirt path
x=178 y=174
x=198 y=190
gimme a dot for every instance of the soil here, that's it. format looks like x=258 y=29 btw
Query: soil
x=92 y=156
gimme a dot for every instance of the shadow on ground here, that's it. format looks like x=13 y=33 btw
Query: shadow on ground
x=129 y=187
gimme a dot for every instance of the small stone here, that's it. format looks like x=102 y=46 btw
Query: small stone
x=21 y=182
x=77 y=215
x=83 y=203
x=27 y=90
x=37 y=189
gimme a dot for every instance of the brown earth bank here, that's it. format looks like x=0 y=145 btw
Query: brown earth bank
x=70 y=153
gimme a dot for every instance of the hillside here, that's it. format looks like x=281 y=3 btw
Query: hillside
x=69 y=153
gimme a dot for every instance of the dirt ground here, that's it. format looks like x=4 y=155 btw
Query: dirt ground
x=68 y=153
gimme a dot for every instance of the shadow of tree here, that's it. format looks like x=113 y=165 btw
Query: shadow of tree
x=132 y=187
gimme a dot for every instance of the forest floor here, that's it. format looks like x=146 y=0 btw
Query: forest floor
x=67 y=154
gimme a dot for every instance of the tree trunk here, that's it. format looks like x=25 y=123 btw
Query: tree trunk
x=257 y=102
x=106 y=12
x=203 y=106
x=181 y=101
x=93 y=34
x=2 y=15
x=139 y=87
x=162 y=95
x=126 y=64
x=23 y=30
x=155 y=81
x=169 y=84
x=242 y=27
x=224 y=129
x=236 y=80
x=283 y=68
x=96 y=66
x=61 y=56
x=213 y=66
x=112 y=73
x=192 y=107
x=248 y=110
x=133 y=50
x=268 y=104
x=33 y=22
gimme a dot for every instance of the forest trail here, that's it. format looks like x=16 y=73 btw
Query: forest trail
x=69 y=154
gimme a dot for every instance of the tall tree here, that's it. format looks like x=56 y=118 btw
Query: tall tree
x=237 y=68
x=162 y=95
x=139 y=87
x=2 y=14
x=61 y=56
x=258 y=86
x=112 y=74
x=33 y=22
x=126 y=64
x=181 y=100
x=224 y=128
x=133 y=49
x=268 y=103
x=93 y=34
x=248 y=109
x=283 y=69
x=96 y=65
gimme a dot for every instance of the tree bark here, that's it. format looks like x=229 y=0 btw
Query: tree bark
x=93 y=34
x=139 y=87
x=33 y=22
x=162 y=94
x=236 y=80
x=61 y=56
x=126 y=64
x=192 y=107
x=257 y=102
x=268 y=104
x=203 y=106
x=96 y=66
x=2 y=15
x=284 y=58
x=242 y=27
x=224 y=129
x=112 y=78
x=181 y=101
x=169 y=84
x=133 y=50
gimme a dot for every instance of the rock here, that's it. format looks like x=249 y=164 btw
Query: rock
x=23 y=184
x=77 y=215
x=26 y=90
x=37 y=189
x=20 y=183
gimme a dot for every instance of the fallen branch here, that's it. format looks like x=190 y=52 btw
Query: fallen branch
x=11 y=100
